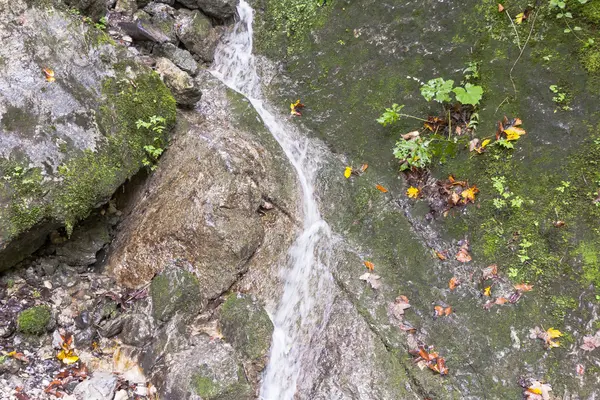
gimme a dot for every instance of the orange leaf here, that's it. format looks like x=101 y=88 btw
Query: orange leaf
x=454 y=282
x=523 y=287
x=500 y=7
x=463 y=255
x=468 y=195
x=447 y=311
x=364 y=167
x=370 y=266
x=49 y=74
x=381 y=188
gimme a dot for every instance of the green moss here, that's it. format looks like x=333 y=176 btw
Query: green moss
x=590 y=58
x=591 y=12
x=286 y=25
x=92 y=177
x=246 y=326
x=562 y=305
x=174 y=290
x=34 y=320
x=205 y=387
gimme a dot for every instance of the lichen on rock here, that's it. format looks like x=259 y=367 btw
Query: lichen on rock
x=34 y=320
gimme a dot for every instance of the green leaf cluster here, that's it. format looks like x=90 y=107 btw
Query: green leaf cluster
x=439 y=89
x=414 y=153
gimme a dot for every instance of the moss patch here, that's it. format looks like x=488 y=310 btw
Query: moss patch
x=34 y=320
x=175 y=290
x=246 y=326
x=205 y=387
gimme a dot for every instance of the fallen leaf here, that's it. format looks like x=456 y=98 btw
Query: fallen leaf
x=553 y=333
x=474 y=145
x=489 y=272
x=295 y=107
x=397 y=308
x=558 y=224
x=413 y=192
x=370 y=266
x=498 y=301
x=371 y=279
x=18 y=356
x=364 y=167
x=487 y=291
x=442 y=255
x=454 y=283
x=442 y=311
x=454 y=198
x=411 y=135
x=381 y=188
x=591 y=342
x=519 y=18
x=463 y=254
x=514 y=133
x=580 y=369
x=538 y=388
x=500 y=7
x=547 y=336
x=348 y=172
x=468 y=195
x=67 y=357
x=523 y=287
x=49 y=74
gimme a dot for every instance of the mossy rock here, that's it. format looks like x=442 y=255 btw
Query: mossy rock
x=34 y=320
x=175 y=291
x=83 y=124
x=246 y=325
x=211 y=389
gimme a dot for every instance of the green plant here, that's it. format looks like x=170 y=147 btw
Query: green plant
x=560 y=97
x=156 y=124
x=564 y=14
x=34 y=320
x=414 y=153
x=439 y=89
x=563 y=186
x=101 y=24
x=393 y=114
x=522 y=253
x=506 y=196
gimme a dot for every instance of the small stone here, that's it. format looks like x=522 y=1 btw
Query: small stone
x=101 y=386
x=184 y=88
x=48 y=284
x=121 y=395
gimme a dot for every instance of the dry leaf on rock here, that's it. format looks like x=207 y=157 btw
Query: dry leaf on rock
x=547 y=336
x=370 y=266
x=398 y=306
x=590 y=343
x=381 y=188
x=454 y=283
x=371 y=279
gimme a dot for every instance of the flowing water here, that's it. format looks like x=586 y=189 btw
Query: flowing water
x=299 y=316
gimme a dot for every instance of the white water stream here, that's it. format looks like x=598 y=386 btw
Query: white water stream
x=302 y=310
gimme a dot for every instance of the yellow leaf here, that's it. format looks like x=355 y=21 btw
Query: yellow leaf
x=348 y=172
x=67 y=357
x=487 y=291
x=49 y=74
x=535 y=390
x=469 y=194
x=553 y=333
x=413 y=192
x=485 y=143
x=519 y=18
x=514 y=133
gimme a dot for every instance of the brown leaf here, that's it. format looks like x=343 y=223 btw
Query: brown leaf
x=442 y=255
x=411 y=135
x=524 y=287
x=473 y=144
x=371 y=279
x=397 y=308
x=454 y=283
x=490 y=272
x=463 y=255
x=591 y=342
x=364 y=167
x=558 y=224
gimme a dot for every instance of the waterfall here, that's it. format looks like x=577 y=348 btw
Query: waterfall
x=307 y=291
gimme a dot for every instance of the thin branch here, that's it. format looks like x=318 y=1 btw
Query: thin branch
x=514 y=27
x=522 y=50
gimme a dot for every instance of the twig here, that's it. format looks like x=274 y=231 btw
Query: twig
x=503 y=101
x=449 y=124
x=521 y=54
x=514 y=27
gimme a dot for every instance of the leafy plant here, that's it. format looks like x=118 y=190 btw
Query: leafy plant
x=560 y=97
x=156 y=124
x=101 y=24
x=437 y=89
x=393 y=114
x=470 y=94
x=414 y=153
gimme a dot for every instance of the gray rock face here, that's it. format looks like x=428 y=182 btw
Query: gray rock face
x=137 y=330
x=191 y=4
x=100 y=386
x=85 y=242
x=180 y=57
x=60 y=129
x=198 y=35
x=126 y=7
x=94 y=9
x=183 y=87
x=221 y=9
x=174 y=291
x=163 y=19
x=202 y=205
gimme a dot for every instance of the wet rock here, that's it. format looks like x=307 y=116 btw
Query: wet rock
x=10 y=366
x=143 y=31
x=112 y=327
x=175 y=290
x=94 y=9
x=208 y=370
x=87 y=240
x=247 y=326
x=180 y=57
x=221 y=9
x=183 y=87
x=49 y=265
x=162 y=18
x=196 y=32
x=34 y=320
x=7 y=328
x=201 y=205
x=191 y=4
x=137 y=330
x=126 y=7
x=55 y=159
x=100 y=386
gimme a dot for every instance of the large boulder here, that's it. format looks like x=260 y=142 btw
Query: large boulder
x=183 y=86
x=209 y=206
x=221 y=9
x=68 y=136
x=196 y=32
